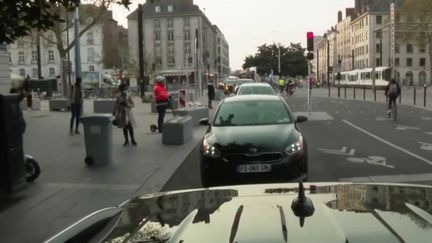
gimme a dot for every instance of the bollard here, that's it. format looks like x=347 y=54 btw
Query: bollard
x=415 y=91
x=338 y=91
x=329 y=90
x=345 y=92
x=374 y=91
x=424 y=95
x=400 y=97
x=364 y=93
x=354 y=93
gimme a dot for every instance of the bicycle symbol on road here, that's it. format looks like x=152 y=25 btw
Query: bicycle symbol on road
x=426 y=146
x=373 y=160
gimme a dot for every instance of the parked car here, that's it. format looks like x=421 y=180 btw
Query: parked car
x=253 y=135
x=255 y=88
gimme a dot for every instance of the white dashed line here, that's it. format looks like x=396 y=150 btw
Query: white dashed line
x=388 y=143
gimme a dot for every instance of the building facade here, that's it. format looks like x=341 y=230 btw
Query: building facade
x=23 y=56
x=170 y=29
x=343 y=40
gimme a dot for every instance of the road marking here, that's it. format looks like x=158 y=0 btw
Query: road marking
x=404 y=128
x=426 y=146
x=343 y=151
x=429 y=133
x=374 y=160
x=390 y=178
x=427 y=118
x=380 y=118
x=388 y=143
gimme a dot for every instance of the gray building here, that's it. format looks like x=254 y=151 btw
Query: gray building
x=169 y=30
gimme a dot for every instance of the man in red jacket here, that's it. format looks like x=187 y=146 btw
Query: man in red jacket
x=161 y=99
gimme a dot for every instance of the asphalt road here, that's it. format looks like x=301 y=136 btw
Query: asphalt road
x=351 y=141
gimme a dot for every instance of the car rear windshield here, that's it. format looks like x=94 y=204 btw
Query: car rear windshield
x=250 y=113
x=256 y=90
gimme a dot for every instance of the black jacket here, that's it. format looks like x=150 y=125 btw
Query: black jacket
x=398 y=88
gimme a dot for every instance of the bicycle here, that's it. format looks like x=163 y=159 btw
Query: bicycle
x=393 y=112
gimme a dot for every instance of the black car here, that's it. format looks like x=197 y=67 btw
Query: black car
x=316 y=212
x=253 y=136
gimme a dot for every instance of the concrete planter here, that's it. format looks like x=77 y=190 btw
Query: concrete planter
x=59 y=104
x=103 y=105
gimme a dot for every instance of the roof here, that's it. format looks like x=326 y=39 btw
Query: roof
x=256 y=84
x=382 y=6
x=253 y=98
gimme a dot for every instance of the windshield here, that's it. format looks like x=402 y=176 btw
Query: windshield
x=248 y=113
x=248 y=90
x=155 y=96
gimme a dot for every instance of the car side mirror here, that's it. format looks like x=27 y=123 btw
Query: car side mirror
x=204 y=122
x=300 y=119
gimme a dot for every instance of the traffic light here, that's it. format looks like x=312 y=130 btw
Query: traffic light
x=310 y=41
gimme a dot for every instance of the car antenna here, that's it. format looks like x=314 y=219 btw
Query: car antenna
x=302 y=206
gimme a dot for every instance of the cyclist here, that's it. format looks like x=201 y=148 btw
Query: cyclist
x=392 y=91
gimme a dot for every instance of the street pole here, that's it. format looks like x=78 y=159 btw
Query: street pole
x=141 y=51
x=373 y=62
x=77 y=46
x=279 y=61
x=309 y=88
x=68 y=52
x=38 y=50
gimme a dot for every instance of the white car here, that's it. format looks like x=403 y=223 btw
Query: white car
x=255 y=89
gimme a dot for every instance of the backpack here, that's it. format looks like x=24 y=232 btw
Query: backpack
x=393 y=89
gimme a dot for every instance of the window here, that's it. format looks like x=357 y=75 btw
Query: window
x=410 y=48
x=90 y=38
x=409 y=62
x=377 y=62
x=90 y=55
x=171 y=61
x=378 y=19
x=158 y=51
x=157 y=36
x=367 y=49
x=379 y=34
x=50 y=56
x=378 y=48
x=22 y=72
x=171 y=50
x=397 y=62
x=157 y=23
x=34 y=57
x=187 y=35
x=170 y=8
x=190 y=60
x=422 y=62
x=186 y=22
x=187 y=48
x=397 y=48
x=170 y=35
x=170 y=23
x=158 y=60
x=91 y=68
x=422 y=48
x=157 y=9
x=34 y=72
x=21 y=59
x=51 y=72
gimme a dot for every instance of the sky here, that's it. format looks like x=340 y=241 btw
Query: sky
x=248 y=24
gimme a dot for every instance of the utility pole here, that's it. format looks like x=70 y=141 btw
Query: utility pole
x=38 y=50
x=279 y=61
x=141 y=51
x=77 y=46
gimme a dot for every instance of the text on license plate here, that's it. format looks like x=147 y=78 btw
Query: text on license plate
x=257 y=168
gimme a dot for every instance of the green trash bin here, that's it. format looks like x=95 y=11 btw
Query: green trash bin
x=98 y=139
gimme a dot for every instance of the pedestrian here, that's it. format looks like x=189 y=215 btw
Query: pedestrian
x=27 y=89
x=392 y=91
x=281 y=84
x=76 y=101
x=210 y=93
x=124 y=115
x=161 y=100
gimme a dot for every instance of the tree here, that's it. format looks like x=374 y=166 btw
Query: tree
x=293 y=61
x=19 y=17
x=416 y=25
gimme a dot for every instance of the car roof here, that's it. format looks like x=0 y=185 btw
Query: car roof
x=256 y=84
x=252 y=98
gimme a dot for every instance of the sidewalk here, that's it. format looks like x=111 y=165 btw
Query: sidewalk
x=67 y=190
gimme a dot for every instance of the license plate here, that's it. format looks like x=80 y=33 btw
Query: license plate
x=257 y=168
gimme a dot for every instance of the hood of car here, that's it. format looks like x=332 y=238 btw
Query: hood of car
x=265 y=138
x=264 y=213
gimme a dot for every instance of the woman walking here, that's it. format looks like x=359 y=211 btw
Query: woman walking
x=124 y=116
